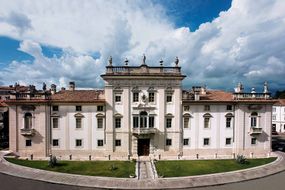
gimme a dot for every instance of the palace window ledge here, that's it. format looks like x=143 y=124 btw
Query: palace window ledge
x=144 y=130
x=255 y=130
x=28 y=132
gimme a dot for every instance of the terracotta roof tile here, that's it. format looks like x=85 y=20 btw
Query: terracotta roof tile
x=280 y=102
x=78 y=96
x=217 y=95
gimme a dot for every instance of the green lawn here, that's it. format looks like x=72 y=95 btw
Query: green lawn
x=94 y=168
x=199 y=167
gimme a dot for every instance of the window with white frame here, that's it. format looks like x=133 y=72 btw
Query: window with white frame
x=135 y=122
x=78 y=142
x=151 y=96
x=186 y=142
x=228 y=141
x=229 y=107
x=54 y=108
x=186 y=122
x=55 y=142
x=100 y=142
x=100 y=123
x=117 y=98
x=206 y=122
x=55 y=122
x=168 y=142
x=117 y=122
x=186 y=108
x=253 y=141
x=28 y=120
x=78 y=123
x=168 y=122
x=206 y=141
x=100 y=108
x=118 y=142
x=151 y=121
x=228 y=122
x=143 y=119
x=135 y=97
x=273 y=109
x=169 y=98
x=253 y=119
x=28 y=142
x=78 y=108
x=207 y=108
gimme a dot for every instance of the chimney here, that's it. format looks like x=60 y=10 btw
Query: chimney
x=53 y=88
x=203 y=90
x=196 y=90
x=72 y=85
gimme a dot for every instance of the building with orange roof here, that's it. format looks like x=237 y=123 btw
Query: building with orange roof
x=142 y=111
x=278 y=116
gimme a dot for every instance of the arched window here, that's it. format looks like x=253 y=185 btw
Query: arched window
x=253 y=119
x=28 y=120
x=207 y=117
x=143 y=119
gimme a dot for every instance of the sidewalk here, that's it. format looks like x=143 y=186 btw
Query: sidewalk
x=157 y=183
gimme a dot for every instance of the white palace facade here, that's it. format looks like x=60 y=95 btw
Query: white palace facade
x=142 y=111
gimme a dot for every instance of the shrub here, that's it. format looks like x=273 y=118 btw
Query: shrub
x=52 y=161
x=113 y=167
x=241 y=159
x=134 y=160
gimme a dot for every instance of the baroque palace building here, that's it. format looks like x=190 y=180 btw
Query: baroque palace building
x=142 y=111
x=278 y=116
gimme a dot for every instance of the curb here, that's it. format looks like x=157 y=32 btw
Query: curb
x=160 y=183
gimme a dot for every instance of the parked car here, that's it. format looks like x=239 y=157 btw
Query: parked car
x=274 y=133
x=281 y=146
x=4 y=145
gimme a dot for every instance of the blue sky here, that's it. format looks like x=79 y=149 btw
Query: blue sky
x=219 y=42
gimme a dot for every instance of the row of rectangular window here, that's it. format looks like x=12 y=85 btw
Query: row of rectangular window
x=78 y=142
x=136 y=99
x=206 y=141
x=78 y=108
x=206 y=122
x=78 y=122
x=150 y=122
x=208 y=108
x=151 y=97
x=168 y=142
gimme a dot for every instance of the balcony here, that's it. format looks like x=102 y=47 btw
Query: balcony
x=255 y=130
x=142 y=131
x=28 y=132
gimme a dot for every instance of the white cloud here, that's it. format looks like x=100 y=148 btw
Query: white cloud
x=245 y=43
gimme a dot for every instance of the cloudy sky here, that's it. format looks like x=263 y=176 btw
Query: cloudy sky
x=218 y=42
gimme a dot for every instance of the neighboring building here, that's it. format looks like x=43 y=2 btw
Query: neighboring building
x=142 y=111
x=278 y=116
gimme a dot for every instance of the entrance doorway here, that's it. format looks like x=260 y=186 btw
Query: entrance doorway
x=143 y=147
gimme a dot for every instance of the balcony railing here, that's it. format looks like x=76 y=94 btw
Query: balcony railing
x=144 y=131
x=143 y=69
x=238 y=96
x=255 y=130
x=28 y=132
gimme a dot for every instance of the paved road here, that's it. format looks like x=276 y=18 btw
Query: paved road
x=271 y=182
